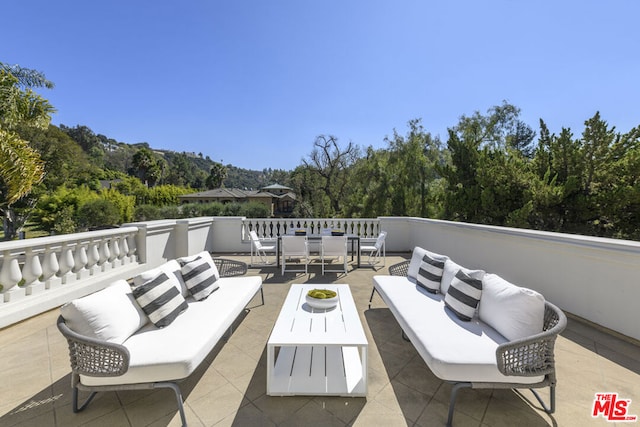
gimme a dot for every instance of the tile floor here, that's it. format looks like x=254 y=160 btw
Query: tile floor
x=228 y=389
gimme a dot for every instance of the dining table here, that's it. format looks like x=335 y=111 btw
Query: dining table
x=354 y=239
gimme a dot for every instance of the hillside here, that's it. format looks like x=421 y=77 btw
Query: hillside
x=179 y=168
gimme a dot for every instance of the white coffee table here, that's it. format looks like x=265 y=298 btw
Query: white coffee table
x=320 y=352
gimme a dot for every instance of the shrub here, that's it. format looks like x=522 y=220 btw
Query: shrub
x=98 y=214
x=212 y=209
x=147 y=213
x=255 y=210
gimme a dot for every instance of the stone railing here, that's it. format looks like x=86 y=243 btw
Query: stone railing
x=274 y=227
x=36 y=273
x=42 y=273
x=45 y=263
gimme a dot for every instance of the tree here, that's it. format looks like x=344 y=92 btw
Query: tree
x=412 y=161
x=495 y=145
x=20 y=165
x=331 y=164
x=147 y=166
x=217 y=175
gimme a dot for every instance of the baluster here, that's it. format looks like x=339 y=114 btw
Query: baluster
x=131 y=253
x=124 y=253
x=66 y=264
x=31 y=273
x=10 y=276
x=115 y=251
x=104 y=256
x=93 y=257
x=80 y=262
x=50 y=268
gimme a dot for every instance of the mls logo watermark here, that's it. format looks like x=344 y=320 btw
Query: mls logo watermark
x=612 y=408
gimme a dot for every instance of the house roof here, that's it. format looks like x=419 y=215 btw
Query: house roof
x=235 y=193
x=276 y=187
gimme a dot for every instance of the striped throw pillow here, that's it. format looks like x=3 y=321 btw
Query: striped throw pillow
x=199 y=277
x=160 y=300
x=464 y=294
x=430 y=272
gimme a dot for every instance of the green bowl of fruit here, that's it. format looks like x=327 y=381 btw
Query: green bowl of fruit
x=322 y=298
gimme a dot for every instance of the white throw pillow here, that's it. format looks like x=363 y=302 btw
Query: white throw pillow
x=171 y=269
x=450 y=270
x=199 y=278
x=513 y=311
x=430 y=273
x=204 y=255
x=160 y=300
x=464 y=294
x=416 y=261
x=110 y=314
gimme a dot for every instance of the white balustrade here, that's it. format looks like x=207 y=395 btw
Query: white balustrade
x=45 y=265
x=274 y=227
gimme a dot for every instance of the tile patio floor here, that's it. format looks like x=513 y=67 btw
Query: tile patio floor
x=229 y=387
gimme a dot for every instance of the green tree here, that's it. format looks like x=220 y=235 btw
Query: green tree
x=147 y=167
x=412 y=161
x=495 y=145
x=217 y=175
x=20 y=165
x=181 y=171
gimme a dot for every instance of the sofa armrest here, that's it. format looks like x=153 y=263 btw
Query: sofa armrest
x=93 y=357
x=229 y=267
x=400 y=269
x=533 y=356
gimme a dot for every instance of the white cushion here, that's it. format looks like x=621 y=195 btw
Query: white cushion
x=160 y=300
x=416 y=261
x=450 y=271
x=172 y=270
x=199 y=278
x=513 y=311
x=453 y=349
x=205 y=256
x=110 y=314
x=174 y=352
x=464 y=294
x=430 y=273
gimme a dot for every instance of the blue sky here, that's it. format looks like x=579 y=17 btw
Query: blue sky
x=252 y=83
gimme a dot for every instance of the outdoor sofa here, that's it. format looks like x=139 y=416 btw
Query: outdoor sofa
x=156 y=332
x=473 y=329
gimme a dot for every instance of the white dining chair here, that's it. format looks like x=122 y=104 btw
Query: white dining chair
x=333 y=247
x=260 y=249
x=375 y=252
x=295 y=249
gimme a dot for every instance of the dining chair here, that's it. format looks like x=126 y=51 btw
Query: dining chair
x=333 y=246
x=376 y=251
x=295 y=248
x=260 y=249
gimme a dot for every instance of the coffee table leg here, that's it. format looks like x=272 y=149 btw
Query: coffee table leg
x=270 y=361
